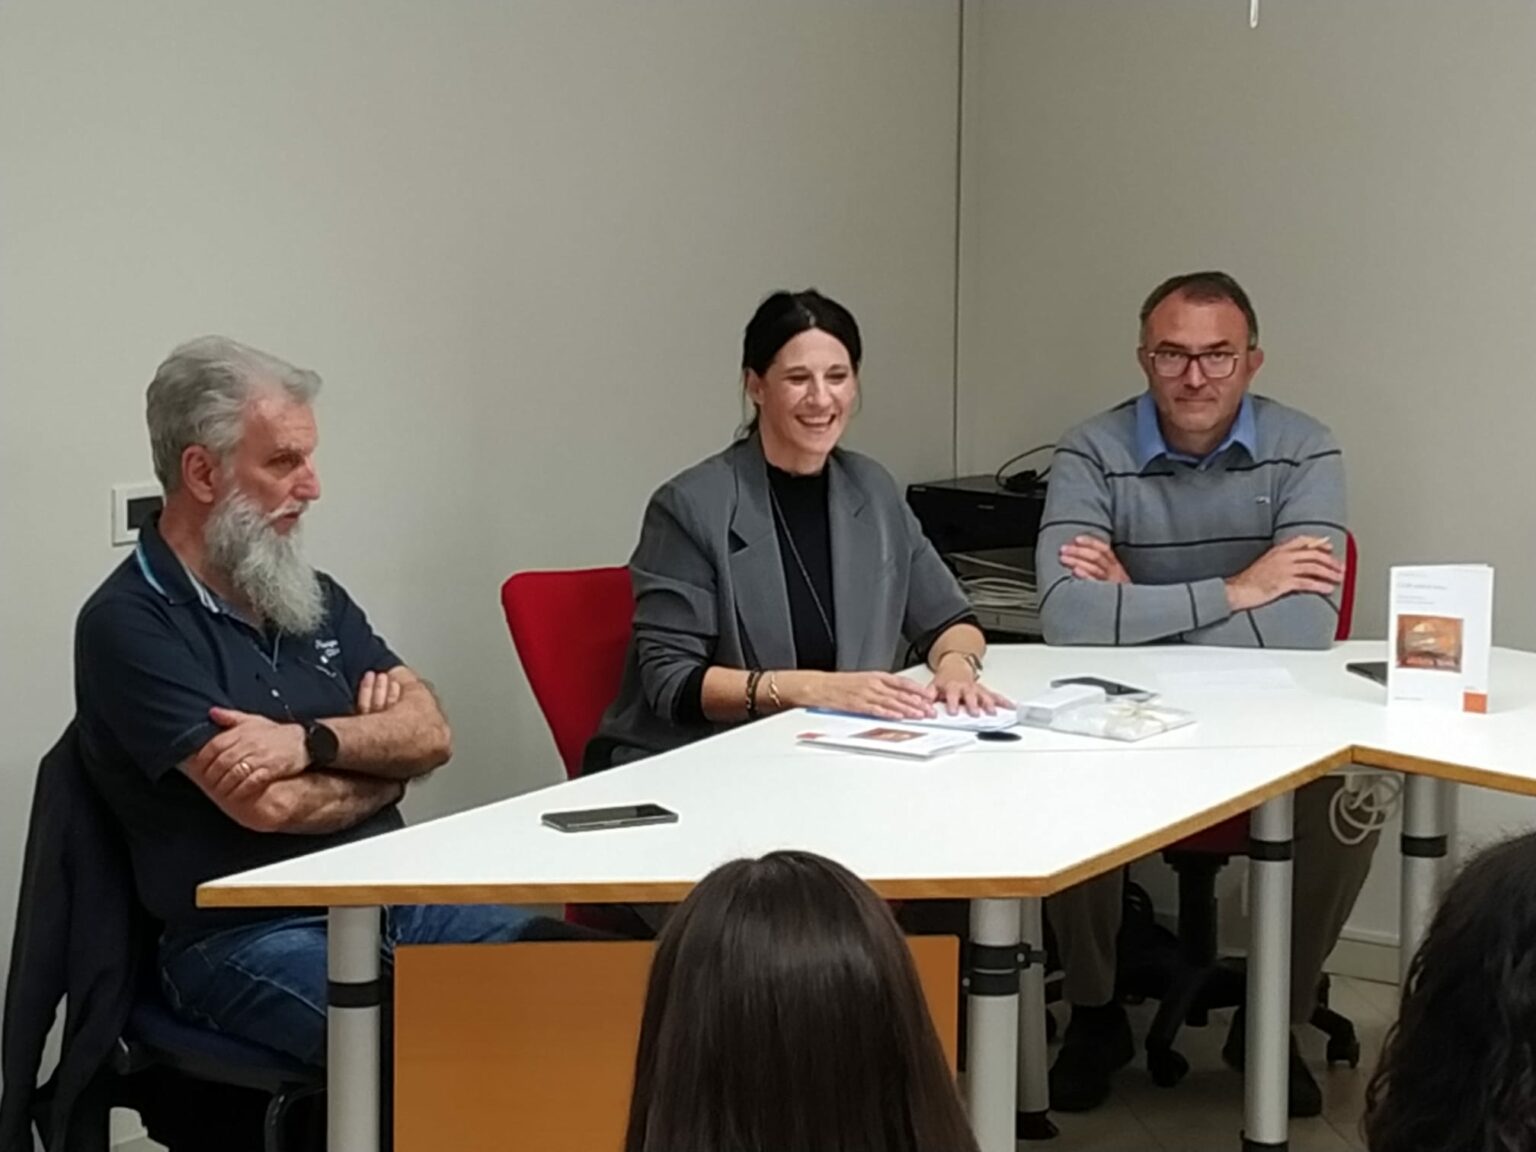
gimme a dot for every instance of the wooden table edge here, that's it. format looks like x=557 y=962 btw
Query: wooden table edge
x=1388 y=761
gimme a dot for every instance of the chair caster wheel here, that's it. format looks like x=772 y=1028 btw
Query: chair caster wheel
x=1034 y=1126
x=1167 y=1067
x=1344 y=1050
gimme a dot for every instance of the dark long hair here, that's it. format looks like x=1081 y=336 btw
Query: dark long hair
x=784 y=1014
x=1458 y=1071
x=782 y=317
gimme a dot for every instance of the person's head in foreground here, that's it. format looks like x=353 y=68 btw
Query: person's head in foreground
x=784 y=1014
x=1458 y=1071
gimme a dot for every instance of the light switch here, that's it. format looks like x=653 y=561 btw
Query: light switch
x=132 y=504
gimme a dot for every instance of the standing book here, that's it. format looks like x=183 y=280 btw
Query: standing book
x=1440 y=636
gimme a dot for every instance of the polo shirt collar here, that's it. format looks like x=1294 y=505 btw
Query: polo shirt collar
x=164 y=571
x=1150 y=443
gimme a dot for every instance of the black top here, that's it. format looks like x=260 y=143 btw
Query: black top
x=154 y=651
x=800 y=516
x=805 y=547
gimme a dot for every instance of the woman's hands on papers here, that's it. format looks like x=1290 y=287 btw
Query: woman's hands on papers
x=955 y=684
x=881 y=694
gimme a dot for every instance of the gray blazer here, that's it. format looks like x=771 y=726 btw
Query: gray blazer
x=709 y=588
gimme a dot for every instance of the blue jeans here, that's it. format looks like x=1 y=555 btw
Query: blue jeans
x=266 y=982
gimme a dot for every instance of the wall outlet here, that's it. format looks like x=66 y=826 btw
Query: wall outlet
x=132 y=504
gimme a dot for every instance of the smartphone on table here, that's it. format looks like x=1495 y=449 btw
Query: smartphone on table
x=619 y=816
x=1112 y=688
x=1373 y=670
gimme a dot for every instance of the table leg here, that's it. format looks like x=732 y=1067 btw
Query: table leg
x=1423 y=847
x=1267 y=1080
x=353 y=1001
x=1034 y=1095
x=992 y=1007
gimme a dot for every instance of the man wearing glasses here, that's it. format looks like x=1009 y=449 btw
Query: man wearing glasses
x=1196 y=513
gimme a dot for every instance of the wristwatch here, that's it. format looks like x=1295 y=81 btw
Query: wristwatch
x=969 y=657
x=321 y=744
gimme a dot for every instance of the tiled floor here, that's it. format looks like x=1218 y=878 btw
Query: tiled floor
x=1204 y=1113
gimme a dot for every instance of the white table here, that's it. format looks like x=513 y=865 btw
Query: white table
x=1002 y=825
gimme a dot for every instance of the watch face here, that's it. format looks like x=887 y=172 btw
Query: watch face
x=321 y=744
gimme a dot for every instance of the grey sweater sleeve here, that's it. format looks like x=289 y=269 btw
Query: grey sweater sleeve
x=1079 y=502
x=1311 y=502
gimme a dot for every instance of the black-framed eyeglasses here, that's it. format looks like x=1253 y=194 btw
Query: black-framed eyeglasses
x=1170 y=363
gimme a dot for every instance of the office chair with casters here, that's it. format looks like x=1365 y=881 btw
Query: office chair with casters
x=156 y=1040
x=1200 y=980
x=571 y=630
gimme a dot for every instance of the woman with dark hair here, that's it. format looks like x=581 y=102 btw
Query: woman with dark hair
x=784 y=1014
x=786 y=571
x=1458 y=1072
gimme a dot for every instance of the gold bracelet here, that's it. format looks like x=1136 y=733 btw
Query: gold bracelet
x=752 y=678
x=773 y=692
x=969 y=657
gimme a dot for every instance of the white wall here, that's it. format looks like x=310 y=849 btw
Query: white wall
x=519 y=240
x=1368 y=170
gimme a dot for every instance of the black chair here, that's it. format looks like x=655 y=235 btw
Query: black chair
x=154 y=1039
x=1195 y=979
x=82 y=940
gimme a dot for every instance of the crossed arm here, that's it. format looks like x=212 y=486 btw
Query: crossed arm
x=258 y=771
x=1285 y=599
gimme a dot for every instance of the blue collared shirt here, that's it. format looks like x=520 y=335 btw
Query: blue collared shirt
x=1150 y=443
x=155 y=650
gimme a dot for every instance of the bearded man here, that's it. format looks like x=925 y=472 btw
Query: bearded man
x=235 y=708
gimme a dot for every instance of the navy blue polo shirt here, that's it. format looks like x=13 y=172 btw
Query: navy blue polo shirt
x=154 y=651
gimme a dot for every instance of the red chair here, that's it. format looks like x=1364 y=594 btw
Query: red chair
x=1200 y=981
x=571 y=631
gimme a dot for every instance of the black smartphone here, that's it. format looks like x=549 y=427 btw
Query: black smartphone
x=620 y=816
x=1374 y=670
x=1112 y=688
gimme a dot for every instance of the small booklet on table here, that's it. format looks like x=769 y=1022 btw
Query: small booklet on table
x=882 y=738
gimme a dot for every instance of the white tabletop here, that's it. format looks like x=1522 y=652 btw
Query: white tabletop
x=1277 y=699
x=1005 y=820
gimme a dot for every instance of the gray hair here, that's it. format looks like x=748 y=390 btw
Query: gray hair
x=199 y=393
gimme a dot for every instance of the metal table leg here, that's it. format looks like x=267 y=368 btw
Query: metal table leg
x=1266 y=1082
x=1034 y=1096
x=353 y=1003
x=992 y=1006
x=1424 y=848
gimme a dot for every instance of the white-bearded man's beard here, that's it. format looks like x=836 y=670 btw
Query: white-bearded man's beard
x=266 y=569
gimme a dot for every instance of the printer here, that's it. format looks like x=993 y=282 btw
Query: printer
x=985 y=531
